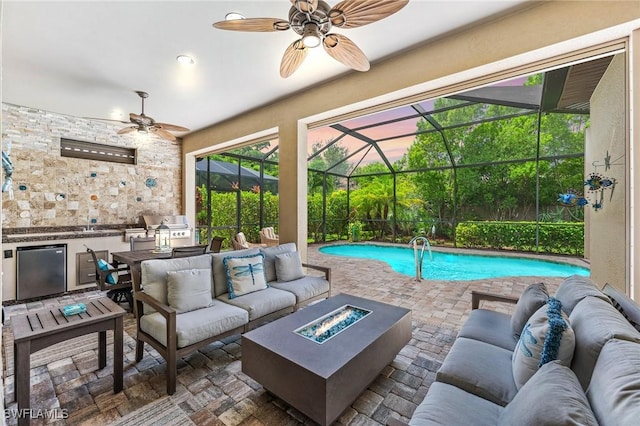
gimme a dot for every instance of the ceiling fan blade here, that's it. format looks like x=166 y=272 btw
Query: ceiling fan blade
x=171 y=127
x=162 y=133
x=343 y=50
x=305 y=6
x=253 y=24
x=106 y=119
x=356 y=13
x=127 y=130
x=292 y=58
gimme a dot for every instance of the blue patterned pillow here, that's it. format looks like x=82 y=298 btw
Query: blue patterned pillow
x=104 y=266
x=245 y=274
x=547 y=336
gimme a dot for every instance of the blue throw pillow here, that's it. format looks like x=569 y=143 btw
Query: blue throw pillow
x=245 y=274
x=547 y=336
x=104 y=266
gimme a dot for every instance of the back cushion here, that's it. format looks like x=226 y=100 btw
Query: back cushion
x=551 y=397
x=533 y=297
x=574 y=289
x=154 y=274
x=219 y=273
x=594 y=323
x=270 y=254
x=614 y=390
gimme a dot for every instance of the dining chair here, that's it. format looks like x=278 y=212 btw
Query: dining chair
x=216 y=244
x=188 y=251
x=116 y=281
x=142 y=243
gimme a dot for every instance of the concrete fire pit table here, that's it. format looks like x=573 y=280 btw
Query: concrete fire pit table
x=322 y=376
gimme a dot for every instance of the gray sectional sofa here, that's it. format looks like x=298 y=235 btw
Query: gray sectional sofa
x=182 y=304
x=598 y=384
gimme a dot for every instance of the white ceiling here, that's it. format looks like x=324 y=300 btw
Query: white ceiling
x=86 y=58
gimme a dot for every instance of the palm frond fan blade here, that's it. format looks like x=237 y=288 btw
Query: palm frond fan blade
x=253 y=24
x=162 y=133
x=343 y=50
x=305 y=6
x=127 y=130
x=356 y=13
x=171 y=127
x=292 y=58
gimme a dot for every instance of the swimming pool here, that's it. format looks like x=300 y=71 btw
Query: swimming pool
x=454 y=266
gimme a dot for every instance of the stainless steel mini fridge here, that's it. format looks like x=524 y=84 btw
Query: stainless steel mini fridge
x=41 y=270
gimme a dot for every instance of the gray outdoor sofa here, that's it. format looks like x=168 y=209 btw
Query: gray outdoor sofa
x=598 y=384
x=182 y=304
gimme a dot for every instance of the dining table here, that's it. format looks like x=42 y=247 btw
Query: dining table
x=133 y=259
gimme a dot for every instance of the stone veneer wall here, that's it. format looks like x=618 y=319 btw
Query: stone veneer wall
x=51 y=190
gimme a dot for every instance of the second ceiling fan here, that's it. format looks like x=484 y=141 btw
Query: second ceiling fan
x=145 y=124
x=313 y=19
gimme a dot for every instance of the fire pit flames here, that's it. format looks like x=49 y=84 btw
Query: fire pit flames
x=331 y=324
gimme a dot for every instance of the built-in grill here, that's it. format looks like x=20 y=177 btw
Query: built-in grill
x=181 y=233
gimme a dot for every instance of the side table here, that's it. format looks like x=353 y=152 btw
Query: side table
x=41 y=328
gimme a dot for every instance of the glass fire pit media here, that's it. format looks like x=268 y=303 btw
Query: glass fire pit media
x=329 y=325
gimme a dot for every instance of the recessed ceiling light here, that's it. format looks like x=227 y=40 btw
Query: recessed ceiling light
x=185 y=60
x=232 y=16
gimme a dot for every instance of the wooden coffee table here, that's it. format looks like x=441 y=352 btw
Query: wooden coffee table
x=322 y=379
x=41 y=328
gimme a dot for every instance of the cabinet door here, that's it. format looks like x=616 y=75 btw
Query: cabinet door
x=86 y=269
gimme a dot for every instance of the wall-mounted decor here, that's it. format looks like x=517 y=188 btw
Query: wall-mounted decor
x=97 y=151
x=7 y=165
x=151 y=182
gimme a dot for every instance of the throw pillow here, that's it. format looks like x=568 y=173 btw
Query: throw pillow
x=112 y=278
x=289 y=266
x=245 y=274
x=189 y=289
x=547 y=336
x=532 y=299
x=553 y=396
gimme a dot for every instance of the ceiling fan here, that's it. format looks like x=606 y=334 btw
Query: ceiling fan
x=145 y=124
x=313 y=19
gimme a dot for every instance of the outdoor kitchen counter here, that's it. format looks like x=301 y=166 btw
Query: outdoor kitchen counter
x=76 y=242
x=53 y=234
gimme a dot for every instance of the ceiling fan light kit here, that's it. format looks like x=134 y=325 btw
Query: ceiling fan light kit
x=312 y=20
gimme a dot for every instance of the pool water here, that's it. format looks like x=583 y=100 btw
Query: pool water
x=454 y=266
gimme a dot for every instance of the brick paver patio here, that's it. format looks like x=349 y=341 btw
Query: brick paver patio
x=213 y=391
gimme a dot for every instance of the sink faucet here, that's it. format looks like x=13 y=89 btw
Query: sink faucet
x=88 y=227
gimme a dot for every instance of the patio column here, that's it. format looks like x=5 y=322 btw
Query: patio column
x=292 y=187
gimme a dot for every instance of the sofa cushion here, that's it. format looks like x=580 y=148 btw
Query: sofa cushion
x=491 y=327
x=614 y=390
x=551 y=397
x=270 y=254
x=195 y=326
x=595 y=322
x=547 y=336
x=532 y=298
x=219 y=275
x=574 y=289
x=479 y=368
x=288 y=266
x=154 y=274
x=442 y=405
x=261 y=303
x=304 y=288
x=189 y=289
x=245 y=274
